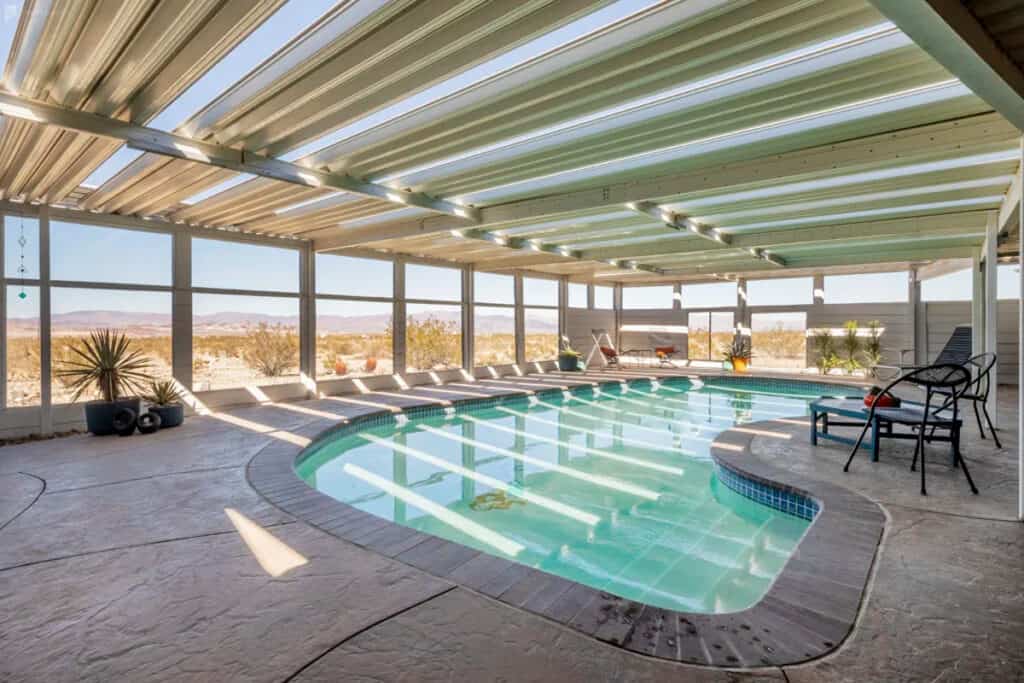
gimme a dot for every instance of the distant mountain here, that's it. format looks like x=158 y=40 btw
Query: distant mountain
x=232 y=322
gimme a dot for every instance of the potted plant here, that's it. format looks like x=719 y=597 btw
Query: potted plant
x=105 y=361
x=568 y=359
x=166 y=401
x=739 y=352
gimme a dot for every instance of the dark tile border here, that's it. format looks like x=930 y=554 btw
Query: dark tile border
x=807 y=612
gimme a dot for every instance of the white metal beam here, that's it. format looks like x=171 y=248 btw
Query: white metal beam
x=180 y=147
x=986 y=132
x=1011 y=202
x=948 y=31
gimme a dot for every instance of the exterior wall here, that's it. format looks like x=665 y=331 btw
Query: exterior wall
x=578 y=325
x=895 y=318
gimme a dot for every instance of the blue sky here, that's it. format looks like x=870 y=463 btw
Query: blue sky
x=86 y=253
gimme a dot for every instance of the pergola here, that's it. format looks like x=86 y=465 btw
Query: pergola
x=600 y=142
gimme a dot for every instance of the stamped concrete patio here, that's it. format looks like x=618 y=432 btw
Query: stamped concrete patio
x=139 y=559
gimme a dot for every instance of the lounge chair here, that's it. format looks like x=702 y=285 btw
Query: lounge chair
x=957 y=351
x=665 y=349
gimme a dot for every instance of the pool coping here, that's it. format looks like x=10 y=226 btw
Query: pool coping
x=807 y=612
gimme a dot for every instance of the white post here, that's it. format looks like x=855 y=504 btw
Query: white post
x=978 y=302
x=991 y=308
x=45 y=340
x=181 y=309
x=1020 y=354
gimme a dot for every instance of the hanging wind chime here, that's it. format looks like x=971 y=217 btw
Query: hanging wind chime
x=21 y=262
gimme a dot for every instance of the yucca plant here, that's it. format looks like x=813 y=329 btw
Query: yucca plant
x=106 y=361
x=163 y=393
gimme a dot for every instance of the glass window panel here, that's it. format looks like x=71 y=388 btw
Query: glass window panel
x=540 y=292
x=354 y=276
x=698 y=340
x=491 y=288
x=779 y=340
x=541 y=333
x=14 y=228
x=709 y=334
x=956 y=286
x=433 y=337
x=90 y=253
x=658 y=296
x=577 y=295
x=864 y=288
x=240 y=340
x=432 y=283
x=23 y=373
x=353 y=338
x=790 y=291
x=145 y=317
x=494 y=335
x=604 y=297
x=220 y=264
x=1008 y=280
x=709 y=295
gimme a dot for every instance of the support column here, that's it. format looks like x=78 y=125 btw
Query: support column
x=978 y=303
x=991 y=308
x=617 y=306
x=742 y=311
x=914 y=338
x=45 y=347
x=520 y=321
x=398 y=318
x=563 y=308
x=181 y=309
x=3 y=314
x=468 y=319
x=307 y=316
x=1020 y=352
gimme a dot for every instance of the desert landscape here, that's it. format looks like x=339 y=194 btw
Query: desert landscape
x=238 y=349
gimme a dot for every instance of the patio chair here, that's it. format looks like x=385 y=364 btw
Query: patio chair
x=943 y=381
x=977 y=391
x=665 y=350
x=956 y=351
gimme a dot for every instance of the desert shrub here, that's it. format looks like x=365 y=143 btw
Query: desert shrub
x=851 y=346
x=825 y=350
x=272 y=350
x=873 y=346
x=432 y=343
x=779 y=342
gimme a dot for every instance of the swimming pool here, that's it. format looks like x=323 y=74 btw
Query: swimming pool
x=613 y=488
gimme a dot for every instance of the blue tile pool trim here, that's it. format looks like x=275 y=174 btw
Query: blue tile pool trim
x=808 y=611
x=790 y=502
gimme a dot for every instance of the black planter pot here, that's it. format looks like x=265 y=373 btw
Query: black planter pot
x=568 y=363
x=99 y=415
x=170 y=416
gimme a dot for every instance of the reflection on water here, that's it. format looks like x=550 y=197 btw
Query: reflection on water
x=612 y=488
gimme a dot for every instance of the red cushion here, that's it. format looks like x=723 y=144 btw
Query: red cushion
x=666 y=350
x=883 y=400
x=609 y=351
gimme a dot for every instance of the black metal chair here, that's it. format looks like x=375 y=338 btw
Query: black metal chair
x=977 y=392
x=946 y=382
x=956 y=351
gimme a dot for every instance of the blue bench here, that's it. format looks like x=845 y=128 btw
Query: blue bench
x=854 y=408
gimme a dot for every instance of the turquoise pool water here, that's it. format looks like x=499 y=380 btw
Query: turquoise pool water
x=613 y=488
